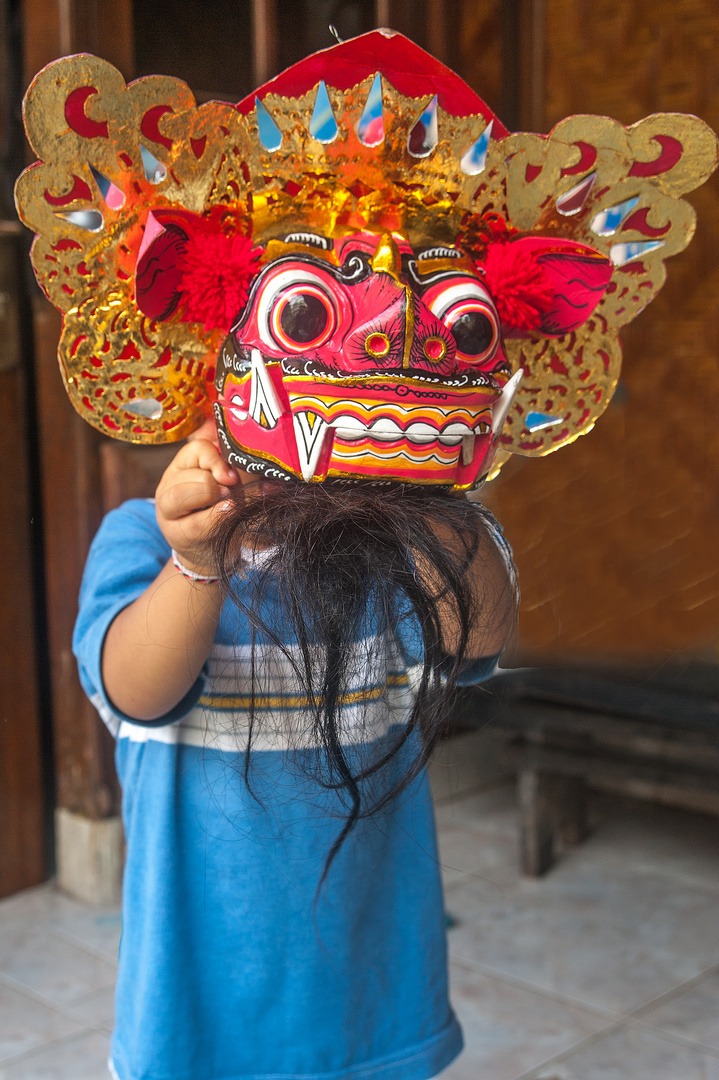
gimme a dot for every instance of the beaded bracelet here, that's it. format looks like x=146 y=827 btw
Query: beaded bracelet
x=192 y=575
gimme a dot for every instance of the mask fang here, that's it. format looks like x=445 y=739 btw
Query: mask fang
x=265 y=409
x=310 y=431
x=499 y=413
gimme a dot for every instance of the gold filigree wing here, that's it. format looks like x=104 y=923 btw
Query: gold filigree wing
x=569 y=380
x=110 y=154
x=618 y=190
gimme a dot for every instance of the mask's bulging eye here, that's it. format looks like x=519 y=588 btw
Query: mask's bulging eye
x=302 y=317
x=474 y=332
x=467 y=310
x=296 y=311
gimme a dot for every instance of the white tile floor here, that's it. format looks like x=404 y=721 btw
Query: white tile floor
x=607 y=969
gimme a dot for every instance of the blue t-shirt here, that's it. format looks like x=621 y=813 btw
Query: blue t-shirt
x=231 y=967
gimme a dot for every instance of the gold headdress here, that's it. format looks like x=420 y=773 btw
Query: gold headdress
x=371 y=135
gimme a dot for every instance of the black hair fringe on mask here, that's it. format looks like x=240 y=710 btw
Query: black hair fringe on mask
x=343 y=560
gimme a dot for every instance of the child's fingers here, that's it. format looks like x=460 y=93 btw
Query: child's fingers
x=194 y=483
x=203 y=520
x=201 y=454
x=188 y=491
x=188 y=534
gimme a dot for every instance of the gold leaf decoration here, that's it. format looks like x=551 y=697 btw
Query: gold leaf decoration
x=88 y=128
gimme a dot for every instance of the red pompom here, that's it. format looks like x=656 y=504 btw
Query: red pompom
x=520 y=287
x=217 y=270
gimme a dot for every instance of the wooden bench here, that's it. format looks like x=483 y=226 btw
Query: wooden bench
x=647 y=733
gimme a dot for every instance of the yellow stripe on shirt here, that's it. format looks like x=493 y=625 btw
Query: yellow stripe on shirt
x=287 y=701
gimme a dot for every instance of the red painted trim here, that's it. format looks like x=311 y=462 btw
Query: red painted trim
x=75 y=114
x=149 y=125
x=410 y=70
x=671 y=152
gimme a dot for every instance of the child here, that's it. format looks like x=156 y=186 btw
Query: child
x=365 y=264
x=232 y=963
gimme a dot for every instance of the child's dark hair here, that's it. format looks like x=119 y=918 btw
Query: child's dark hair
x=341 y=556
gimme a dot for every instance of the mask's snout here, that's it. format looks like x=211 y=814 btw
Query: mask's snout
x=400 y=332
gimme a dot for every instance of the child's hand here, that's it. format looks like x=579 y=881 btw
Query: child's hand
x=190 y=495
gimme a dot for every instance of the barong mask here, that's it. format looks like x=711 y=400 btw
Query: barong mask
x=358 y=267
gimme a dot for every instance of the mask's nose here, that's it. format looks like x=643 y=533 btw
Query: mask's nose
x=387 y=259
x=425 y=343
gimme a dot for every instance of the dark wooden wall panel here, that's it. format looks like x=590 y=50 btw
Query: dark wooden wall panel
x=69 y=449
x=72 y=506
x=55 y=28
x=22 y=801
x=478 y=33
x=23 y=796
x=616 y=537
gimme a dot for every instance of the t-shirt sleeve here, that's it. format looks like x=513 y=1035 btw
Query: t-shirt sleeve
x=127 y=554
x=411 y=646
x=472 y=670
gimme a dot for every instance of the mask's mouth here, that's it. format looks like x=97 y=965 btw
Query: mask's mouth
x=319 y=423
x=384 y=429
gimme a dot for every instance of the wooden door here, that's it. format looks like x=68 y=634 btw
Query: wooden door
x=616 y=536
x=23 y=794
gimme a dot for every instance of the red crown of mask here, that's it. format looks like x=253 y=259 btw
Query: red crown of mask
x=358 y=264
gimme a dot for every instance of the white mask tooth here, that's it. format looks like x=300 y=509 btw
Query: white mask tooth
x=386 y=430
x=349 y=427
x=468 y=449
x=454 y=433
x=265 y=408
x=310 y=431
x=502 y=407
x=419 y=432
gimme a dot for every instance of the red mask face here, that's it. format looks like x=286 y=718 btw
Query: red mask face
x=357 y=358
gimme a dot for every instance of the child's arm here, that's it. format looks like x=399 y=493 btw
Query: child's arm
x=493 y=582
x=497 y=596
x=155 y=648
